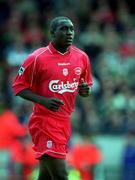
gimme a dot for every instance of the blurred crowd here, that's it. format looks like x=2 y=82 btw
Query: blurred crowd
x=104 y=29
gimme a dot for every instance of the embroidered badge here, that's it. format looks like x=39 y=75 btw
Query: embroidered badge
x=49 y=144
x=21 y=71
x=78 y=70
x=65 y=71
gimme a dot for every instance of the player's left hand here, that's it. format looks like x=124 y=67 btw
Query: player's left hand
x=84 y=89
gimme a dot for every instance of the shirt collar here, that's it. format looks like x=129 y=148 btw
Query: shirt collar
x=53 y=50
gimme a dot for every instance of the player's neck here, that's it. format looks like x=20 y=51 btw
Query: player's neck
x=59 y=48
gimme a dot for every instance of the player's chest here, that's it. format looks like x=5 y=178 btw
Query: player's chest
x=63 y=68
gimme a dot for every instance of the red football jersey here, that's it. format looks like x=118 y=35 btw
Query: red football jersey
x=50 y=73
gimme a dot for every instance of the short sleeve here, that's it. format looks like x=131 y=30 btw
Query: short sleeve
x=25 y=76
x=86 y=74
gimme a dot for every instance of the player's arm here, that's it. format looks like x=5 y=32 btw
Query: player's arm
x=52 y=104
x=26 y=79
x=84 y=89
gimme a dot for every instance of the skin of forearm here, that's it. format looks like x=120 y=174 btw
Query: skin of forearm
x=29 y=95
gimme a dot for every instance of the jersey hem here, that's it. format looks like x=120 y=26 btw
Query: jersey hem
x=51 y=153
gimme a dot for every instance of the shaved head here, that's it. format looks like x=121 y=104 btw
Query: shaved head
x=62 y=33
x=54 y=23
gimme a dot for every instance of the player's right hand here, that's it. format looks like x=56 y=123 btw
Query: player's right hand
x=53 y=104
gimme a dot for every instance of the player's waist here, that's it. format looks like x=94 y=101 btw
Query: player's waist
x=43 y=112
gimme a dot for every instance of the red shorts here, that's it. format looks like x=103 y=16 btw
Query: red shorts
x=49 y=135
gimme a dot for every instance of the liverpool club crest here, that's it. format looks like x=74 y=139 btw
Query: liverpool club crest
x=65 y=71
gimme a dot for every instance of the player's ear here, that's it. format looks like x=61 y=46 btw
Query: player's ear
x=52 y=33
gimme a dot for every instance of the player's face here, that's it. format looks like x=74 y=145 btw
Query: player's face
x=64 y=33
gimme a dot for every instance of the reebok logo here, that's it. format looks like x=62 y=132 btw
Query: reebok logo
x=61 y=87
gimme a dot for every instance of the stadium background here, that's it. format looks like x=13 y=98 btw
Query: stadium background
x=105 y=29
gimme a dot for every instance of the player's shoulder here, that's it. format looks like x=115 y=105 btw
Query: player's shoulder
x=35 y=54
x=78 y=51
x=39 y=51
